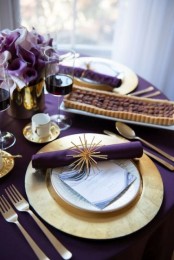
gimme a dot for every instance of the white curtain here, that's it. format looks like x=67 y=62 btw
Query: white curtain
x=9 y=14
x=144 y=41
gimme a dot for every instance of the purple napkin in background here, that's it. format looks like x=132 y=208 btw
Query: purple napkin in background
x=92 y=75
x=128 y=150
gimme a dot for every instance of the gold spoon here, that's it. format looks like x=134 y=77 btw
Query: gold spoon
x=129 y=133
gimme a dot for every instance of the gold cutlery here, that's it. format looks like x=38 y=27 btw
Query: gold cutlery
x=129 y=133
x=22 y=205
x=163 y=162
x=10 y=216
x=143 y=91
x=156 y=93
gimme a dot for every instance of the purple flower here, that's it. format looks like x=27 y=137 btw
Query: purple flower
x=26 y=62
x=16 y=67
x=29 y=75
x=26 y=56
x=8 y=43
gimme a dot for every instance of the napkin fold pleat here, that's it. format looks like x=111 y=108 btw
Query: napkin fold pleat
x=53 y=159
x=112 y=81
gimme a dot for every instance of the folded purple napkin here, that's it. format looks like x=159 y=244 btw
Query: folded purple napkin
x=92 y=75
x=128 y=150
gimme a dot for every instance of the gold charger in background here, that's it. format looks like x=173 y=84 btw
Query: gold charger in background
x=101 y=65
x=95 y=226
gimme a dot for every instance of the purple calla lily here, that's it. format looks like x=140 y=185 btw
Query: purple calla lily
x=26 y=63
x=17 y=67
x=26 y=56
x=8 y=43
x=29 y=75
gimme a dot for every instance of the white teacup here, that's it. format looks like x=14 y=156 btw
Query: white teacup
x=41 y=124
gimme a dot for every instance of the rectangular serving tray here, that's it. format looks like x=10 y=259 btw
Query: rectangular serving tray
x=84 y=113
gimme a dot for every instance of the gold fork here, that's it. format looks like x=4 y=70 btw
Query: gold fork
x=10 y=215
x=22 y=205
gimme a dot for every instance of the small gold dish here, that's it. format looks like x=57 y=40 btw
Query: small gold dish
x=8 y=164
x=54 y=133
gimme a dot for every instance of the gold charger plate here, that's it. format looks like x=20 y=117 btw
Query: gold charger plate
x=92 y=225
x=54 y=133
x=108 y=67
x=8 y=164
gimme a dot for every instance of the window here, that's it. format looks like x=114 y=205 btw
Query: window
x=106 y=28
x=86 y=25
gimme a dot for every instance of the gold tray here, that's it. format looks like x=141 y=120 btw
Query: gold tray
x=92 y=225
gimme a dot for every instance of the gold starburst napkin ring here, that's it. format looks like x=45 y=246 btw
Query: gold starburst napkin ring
x=85 y=155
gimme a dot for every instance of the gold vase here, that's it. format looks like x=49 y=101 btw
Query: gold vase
x=27 y=101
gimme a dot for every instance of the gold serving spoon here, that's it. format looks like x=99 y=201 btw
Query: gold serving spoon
x=129 y=133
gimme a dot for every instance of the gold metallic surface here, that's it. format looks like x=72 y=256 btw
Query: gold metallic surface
x=54 y=133
x=27 y=101
x=8 y=164
x=129 y=78
x=93 y=225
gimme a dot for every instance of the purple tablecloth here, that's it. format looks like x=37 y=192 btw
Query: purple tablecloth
x=154 y=241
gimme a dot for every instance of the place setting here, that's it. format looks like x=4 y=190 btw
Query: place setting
x=53 y=175
x=102 y=74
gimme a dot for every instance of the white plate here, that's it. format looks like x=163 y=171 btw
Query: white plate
x=108 y=67
x=74 y=199
x=81 y=112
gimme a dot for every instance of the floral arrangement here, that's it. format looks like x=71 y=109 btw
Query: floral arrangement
x=22 y=57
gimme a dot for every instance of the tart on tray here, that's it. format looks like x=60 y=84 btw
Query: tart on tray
x=153 y=111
